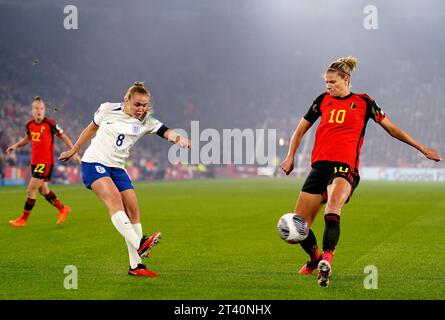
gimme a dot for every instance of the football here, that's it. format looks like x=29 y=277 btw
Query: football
x=292 y=228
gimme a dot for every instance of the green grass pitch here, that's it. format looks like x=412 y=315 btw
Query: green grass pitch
x=220 y=242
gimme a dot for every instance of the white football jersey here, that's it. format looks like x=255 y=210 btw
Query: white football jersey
x=117 y=133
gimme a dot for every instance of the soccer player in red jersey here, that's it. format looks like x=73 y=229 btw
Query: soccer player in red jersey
x=335 y=158
x=40 y=132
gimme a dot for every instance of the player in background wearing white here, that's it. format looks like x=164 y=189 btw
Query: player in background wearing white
x=116 y=127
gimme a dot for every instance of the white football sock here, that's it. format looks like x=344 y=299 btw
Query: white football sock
x=135 y=259
x=138 y=228
x=125 y=228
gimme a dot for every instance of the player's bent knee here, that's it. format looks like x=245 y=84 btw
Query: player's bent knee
x=31 y=195
x=31 y=192
x=335 y=206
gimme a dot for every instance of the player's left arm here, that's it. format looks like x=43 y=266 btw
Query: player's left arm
x=176 y=138
x=401 y=135
x=69 y=144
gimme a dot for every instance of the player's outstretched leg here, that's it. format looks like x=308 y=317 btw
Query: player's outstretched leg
x=21 y=221
x=309 y=245
x=136 y=267
x=131 y=233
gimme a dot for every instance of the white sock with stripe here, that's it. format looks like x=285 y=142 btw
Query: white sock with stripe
x=123 y=225
x=135 y=259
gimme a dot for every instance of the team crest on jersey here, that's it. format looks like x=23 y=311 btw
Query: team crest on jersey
x=100 y=169
x=42 y=128
x=353 y=105
x=136 y=129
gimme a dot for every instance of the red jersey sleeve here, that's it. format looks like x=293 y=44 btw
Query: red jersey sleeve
x=55 y=128
x=28 y=132
x=373 y=111
x=314 y=111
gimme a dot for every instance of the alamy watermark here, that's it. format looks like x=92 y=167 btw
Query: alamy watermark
x=372 y=279
x=70 y=281
x=371 y=20
x=229 y=146
x=71 y=21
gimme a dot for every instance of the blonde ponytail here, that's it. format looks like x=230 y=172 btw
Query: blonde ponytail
x=344 y=66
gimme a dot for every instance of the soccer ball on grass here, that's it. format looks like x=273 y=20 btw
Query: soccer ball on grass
x=292 y=228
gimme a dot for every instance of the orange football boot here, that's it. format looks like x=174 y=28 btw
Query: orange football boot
x=19 y=222
x=310 y=266
x=62 y=214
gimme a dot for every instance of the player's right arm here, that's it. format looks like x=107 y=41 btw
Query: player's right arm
x=288 y=164
x=17 y=145
x=87 y=134
x=308 y=120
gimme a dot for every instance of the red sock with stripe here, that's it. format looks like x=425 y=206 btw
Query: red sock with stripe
x=52 y=198
x=331 y=235
x=29 y=204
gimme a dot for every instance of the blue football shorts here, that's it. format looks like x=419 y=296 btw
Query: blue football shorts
x=91 y=171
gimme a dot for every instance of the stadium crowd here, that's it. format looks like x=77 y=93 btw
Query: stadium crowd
x=409 y=104
x=228 y=83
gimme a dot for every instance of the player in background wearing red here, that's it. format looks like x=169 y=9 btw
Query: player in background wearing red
x=40 y=132
x=335 y=158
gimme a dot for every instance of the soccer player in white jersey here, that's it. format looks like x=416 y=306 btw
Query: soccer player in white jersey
x=116 y=127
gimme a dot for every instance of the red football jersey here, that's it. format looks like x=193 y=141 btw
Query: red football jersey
x=341 y=131
x=42 y=140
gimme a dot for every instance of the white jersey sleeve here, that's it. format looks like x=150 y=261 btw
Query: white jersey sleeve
x=99 y=115
x=152 y=124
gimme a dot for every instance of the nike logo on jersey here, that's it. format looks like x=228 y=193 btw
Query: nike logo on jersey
x=108 y=122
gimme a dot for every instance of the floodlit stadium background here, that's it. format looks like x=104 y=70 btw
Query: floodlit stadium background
x=227 y=64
